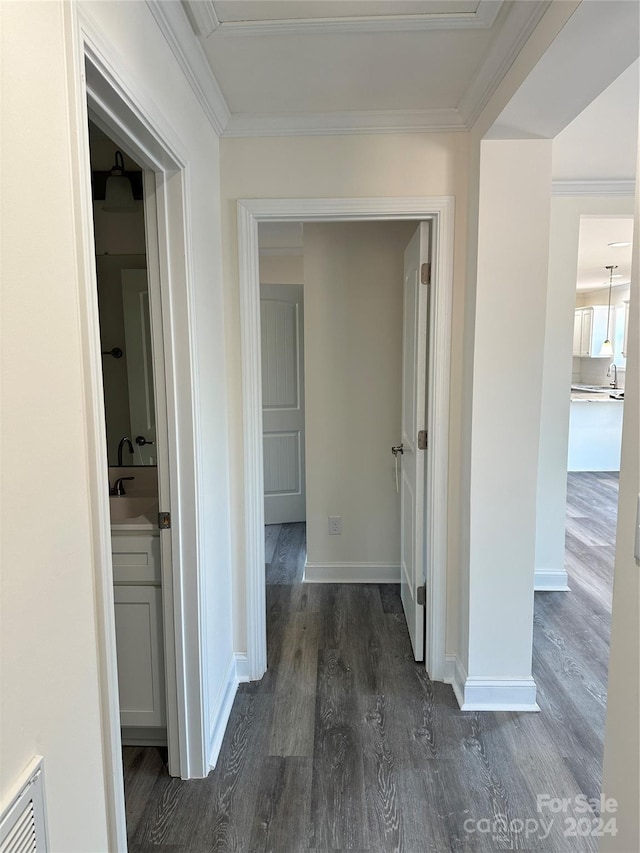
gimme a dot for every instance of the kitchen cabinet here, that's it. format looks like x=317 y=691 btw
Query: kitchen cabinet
x=589 y=330
x=625 y=337
x=137 y=597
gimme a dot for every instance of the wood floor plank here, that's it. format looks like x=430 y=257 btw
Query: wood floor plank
x=346 y=744
x=282 y=807
x=293 y=712
x=338 y=815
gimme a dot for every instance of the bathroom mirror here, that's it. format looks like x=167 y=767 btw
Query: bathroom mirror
x=127 y=369
x=123 y=305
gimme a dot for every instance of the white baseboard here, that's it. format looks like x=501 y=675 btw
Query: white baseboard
x=492 y=694
x=242 y=667
x=551 y=580
x=351 y=573
x=219 y=723
x=449 y=670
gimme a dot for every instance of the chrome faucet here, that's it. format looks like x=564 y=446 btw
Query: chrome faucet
x=124 y=440
x=613 y=365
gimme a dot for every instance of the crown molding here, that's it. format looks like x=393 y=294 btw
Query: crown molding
x=202 y=15
x=522 y=20
x=482 y=18
x=172 y=21
x=344 y=122
x=597 y=188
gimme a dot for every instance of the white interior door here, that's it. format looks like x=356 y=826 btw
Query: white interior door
x=281 y=318
x=139 y=354
x=414 y=412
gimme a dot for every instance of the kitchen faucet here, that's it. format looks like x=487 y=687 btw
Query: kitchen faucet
x=613 y=365
x=124 y=440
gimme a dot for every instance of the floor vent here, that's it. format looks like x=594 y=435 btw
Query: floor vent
x=23 y=823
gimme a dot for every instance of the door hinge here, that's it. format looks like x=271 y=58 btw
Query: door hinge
x=425 y=273
x=422 y=439
x=164 y=520
x=421 y=594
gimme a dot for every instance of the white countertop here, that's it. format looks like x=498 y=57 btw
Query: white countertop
x=594 y=397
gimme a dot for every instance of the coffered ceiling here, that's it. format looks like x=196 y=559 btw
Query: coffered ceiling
x=327 y=66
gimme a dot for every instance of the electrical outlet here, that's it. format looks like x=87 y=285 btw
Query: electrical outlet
x=335 y=525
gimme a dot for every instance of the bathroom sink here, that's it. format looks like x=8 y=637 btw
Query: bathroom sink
x=125 y=507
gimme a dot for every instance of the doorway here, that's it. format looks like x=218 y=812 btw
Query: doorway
x=440 y=212
x=133 y=383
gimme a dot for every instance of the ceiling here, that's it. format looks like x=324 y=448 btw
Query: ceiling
x=326 y=66
x=602 y=142
x=594 y=253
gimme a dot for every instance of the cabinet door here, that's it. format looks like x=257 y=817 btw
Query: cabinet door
x=587 y=330
x=625 y=338
x=138 y=612
x=577 y=332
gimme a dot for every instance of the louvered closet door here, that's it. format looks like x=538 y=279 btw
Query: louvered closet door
x=281 y=316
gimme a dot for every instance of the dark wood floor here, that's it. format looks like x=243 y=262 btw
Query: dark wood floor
x=346 y=744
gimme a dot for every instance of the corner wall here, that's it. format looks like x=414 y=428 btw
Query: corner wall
x=621 y=772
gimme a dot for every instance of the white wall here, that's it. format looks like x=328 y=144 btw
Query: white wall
x=341 y=166
x=621 y=776
x=353 y=279
x=281 y=269
x=557 y=376
x=50 y=686
x=50 y=690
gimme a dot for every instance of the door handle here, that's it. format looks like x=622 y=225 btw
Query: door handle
x=397 y=448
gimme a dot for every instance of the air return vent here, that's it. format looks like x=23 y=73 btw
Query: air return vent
x=23 y=823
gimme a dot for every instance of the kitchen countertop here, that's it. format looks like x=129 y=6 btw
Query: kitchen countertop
x=595 y=396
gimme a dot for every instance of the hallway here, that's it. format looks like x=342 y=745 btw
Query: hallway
x=346 y=744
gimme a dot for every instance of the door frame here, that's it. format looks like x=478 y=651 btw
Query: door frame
x=99 y=86
x=440 y=210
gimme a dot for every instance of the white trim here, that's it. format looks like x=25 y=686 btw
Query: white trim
x=242 y=667
x=597 y=188
x=522 y=20
x=500 y=694
x=441 y=211
x=486 y=694
x=351 y=573
x=120 y=105
x=224 y=702
x=174 y=25
x=344 y=122
x=204 y=16
x=449 y=671
x=482 y=18
x=550 y=580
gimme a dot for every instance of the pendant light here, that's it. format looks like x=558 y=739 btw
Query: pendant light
x=118 y=194
x=607 y=347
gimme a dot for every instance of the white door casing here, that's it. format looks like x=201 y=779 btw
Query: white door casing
x=440 y=210
x=282 y=337
x=139 y=355
x=414 y=413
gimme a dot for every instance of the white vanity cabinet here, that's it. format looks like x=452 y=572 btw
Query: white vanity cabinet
x=138 y=615
x=589 y=330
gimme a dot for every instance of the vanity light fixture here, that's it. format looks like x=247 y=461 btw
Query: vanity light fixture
x=607 y=347
x=118 y=194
